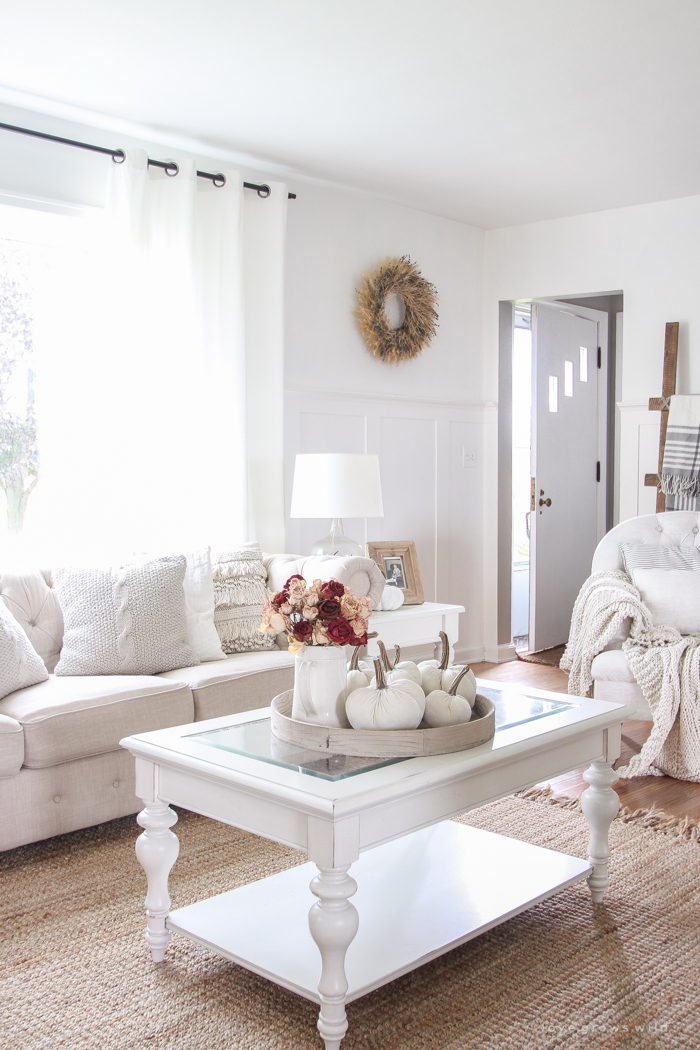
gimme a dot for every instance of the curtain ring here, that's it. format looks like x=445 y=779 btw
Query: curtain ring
x=119 y=156
x=264 y=191
x=219 y=179
x=171 y=169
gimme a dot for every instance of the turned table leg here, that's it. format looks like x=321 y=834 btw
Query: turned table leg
x=333 y=922
x=600 y=805
x=157 y=849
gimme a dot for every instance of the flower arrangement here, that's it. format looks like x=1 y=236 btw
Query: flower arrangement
x=325 y=613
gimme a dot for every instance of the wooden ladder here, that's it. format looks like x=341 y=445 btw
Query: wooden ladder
x=662 y=404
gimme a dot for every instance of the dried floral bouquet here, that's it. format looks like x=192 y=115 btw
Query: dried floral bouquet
x=325 y=613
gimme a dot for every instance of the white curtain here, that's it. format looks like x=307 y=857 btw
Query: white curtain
x=159 y=372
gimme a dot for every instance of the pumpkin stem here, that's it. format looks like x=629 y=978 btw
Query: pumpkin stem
x=385 y=656
x=379 y=672
x=458 y=679
x=355 y=657
x=397 y=657
x=445 y=660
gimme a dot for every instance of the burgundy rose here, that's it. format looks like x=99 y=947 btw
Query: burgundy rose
x=302 y=630
x=329 y=609
x=296 y=576
x=340 y=632
x=333 y=589
x=359 y=639
x=280 y=598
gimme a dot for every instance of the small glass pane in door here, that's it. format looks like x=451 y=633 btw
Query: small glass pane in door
x=568 y=379
x=553 y=394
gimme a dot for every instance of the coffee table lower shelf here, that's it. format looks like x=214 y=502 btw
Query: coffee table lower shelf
x=418 y=897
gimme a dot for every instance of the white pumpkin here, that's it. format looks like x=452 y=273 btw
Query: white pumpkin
x=392 y=598
x=399 y=667
x=446 y=707
x=437 y=674
x=359 y=672
x=394 y=706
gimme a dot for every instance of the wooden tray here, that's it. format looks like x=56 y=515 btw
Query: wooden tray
x=381 y=743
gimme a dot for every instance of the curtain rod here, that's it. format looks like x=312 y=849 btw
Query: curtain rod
x=119 y=156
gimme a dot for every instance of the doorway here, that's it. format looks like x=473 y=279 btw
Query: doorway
x=558 y=380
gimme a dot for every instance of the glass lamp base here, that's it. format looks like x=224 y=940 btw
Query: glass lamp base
x=336 y=542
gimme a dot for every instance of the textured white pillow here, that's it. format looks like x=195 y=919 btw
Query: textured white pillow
x=202 y=636
x=240 y=588
x=672 y=596
x=129 y=620
x=20 y=664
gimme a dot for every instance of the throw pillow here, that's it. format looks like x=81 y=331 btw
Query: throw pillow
x=129 y=620
x=202 y=636
x=20 y=664
x=240 y=588
x=648 y=556
x=672 y=596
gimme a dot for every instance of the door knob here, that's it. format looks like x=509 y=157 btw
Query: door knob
x=546 y=502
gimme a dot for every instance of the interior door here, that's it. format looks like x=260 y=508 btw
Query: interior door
x=565 y=468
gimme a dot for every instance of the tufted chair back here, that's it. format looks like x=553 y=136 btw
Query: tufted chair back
x=32 y=600
x=678 y=528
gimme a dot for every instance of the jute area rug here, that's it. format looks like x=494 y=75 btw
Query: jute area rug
x=76 y=971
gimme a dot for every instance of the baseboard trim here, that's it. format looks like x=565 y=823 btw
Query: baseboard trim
x=501 y=655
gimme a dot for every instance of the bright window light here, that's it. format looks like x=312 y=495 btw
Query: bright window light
x=583 y=364
x=553 y=394
x=568 y=379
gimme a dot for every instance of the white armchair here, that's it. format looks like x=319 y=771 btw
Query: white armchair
x=612 y=677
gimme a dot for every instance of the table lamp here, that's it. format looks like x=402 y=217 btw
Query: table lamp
x=336 y=486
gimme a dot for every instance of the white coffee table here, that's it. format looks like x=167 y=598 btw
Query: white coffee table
x=415 y=625
x=423 y=884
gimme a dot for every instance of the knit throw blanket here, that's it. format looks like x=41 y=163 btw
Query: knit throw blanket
x=665 y=664
x=680 y=474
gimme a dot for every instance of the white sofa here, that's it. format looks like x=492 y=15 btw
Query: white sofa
x=61 y=766
x=612 y=677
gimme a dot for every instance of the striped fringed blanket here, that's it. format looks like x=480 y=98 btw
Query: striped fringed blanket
x=680 y=474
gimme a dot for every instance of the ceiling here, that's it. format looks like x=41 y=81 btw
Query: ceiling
x=493 y=112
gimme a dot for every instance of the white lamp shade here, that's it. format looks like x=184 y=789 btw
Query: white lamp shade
x=336 y=485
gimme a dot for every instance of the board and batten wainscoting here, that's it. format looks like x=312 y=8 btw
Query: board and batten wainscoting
x=639 y=455
x=431 y=455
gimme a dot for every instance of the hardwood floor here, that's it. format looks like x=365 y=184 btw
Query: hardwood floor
x=675 y=797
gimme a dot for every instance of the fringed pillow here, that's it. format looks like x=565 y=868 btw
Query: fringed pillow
x=240 y=588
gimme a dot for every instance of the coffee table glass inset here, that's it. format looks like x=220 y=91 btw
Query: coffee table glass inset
x=255 y=739
x=421 y=883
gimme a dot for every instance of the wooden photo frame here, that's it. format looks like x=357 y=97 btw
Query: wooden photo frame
x=398 y=560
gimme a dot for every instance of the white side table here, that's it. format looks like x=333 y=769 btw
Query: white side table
x=414 y=625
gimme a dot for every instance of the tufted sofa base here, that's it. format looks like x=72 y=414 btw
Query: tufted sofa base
x=39 y=803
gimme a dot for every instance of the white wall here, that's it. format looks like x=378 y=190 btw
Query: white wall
x=419 y=416
x=650 y=254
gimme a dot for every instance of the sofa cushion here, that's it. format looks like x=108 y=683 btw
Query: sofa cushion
x=202 y=636
x=11 y=746
x=243 y=682
x=32 y=600
x=672 y=596
x=69 y=718
x=240 y=588
x=611 y=666
x=129 y=620
x=362 y=575
x=20 y=664
x=649 y=556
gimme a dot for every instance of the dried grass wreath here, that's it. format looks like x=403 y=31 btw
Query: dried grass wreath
x=420 y=299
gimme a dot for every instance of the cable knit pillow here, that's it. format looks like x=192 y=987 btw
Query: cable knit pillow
x=130 y=620
x=240 y=588
x=20 y=664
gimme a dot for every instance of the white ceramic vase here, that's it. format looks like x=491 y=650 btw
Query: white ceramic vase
x=320 y=685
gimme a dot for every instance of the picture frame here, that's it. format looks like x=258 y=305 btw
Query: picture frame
x=398 y=560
